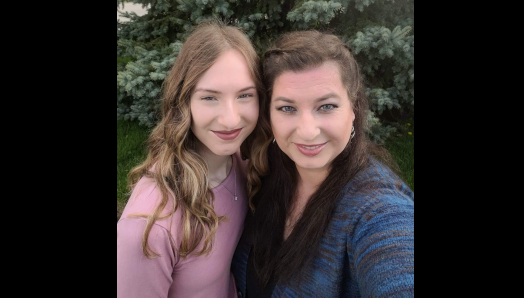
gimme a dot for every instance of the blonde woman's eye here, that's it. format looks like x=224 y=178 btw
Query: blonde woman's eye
x=208 y=98
x=328 y=107
x=287 y=109
x=246 y=95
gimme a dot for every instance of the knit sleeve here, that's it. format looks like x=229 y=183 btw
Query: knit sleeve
x=381 y=248
x=138 y=276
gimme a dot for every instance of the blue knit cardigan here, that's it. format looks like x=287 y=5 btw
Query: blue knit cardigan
x=368 y=248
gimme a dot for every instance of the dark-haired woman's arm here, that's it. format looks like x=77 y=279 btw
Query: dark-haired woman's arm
x=381 y=247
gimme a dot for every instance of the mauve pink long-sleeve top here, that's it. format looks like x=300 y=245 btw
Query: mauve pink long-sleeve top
x=170 y=275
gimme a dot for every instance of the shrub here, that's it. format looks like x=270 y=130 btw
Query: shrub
x=380 y=33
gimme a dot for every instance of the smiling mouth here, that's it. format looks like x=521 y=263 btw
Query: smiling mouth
x=310 y=150
x=227 y=135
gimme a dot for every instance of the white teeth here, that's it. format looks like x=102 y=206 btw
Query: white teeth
x=310 y=148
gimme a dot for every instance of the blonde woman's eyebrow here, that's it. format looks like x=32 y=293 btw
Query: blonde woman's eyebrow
x=218 y=92
x=207 y=90
x=247 y=88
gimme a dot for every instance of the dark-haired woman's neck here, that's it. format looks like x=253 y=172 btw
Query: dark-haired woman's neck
x=308 y=183
x=310 y=179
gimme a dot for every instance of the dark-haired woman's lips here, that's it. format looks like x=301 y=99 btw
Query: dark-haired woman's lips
x=228 y=135
x=310 y=150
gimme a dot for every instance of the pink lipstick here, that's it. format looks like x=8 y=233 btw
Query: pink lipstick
x=228 y=135
x=310 y=150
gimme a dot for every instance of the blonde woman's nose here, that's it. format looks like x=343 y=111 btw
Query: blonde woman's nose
x=230 y=115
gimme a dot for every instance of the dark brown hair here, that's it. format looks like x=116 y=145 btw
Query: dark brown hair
x=298 y=51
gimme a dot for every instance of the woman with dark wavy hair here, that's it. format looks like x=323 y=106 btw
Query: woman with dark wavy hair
x=181 y=225
x=329 y=220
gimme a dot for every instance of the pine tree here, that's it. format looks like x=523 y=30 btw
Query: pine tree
x=380 y=33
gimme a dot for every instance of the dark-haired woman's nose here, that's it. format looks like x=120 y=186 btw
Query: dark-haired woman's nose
x=307 y=127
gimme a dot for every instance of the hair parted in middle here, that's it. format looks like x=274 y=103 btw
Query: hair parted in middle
x=295 y=52
x=178 y=170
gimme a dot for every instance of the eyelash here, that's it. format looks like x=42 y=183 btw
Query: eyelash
x=210 y=98
x=282 y=109
x=248 y=95
x=332 y=105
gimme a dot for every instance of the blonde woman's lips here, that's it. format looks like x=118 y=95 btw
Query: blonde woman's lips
x=310 y=150
x=228 y=135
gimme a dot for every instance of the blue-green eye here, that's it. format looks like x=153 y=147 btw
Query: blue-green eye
x=287 y=109
x=245 y=96
x=328 y=107
x=208 y=98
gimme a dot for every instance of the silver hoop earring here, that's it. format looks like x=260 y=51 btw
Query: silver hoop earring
x=352 y=132
x=274 y=140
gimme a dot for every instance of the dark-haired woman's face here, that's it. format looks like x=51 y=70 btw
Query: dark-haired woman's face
x=311 y=116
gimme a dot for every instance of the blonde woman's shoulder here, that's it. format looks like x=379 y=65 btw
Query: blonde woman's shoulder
x=144 y=199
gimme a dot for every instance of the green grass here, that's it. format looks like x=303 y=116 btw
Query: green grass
x=131 y=150
x=402 y=147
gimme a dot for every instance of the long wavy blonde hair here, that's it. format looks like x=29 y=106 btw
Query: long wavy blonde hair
x=179 y=171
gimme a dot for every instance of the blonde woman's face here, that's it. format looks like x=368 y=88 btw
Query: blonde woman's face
x=224 y=105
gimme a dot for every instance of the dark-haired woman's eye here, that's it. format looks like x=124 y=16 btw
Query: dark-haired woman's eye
x=328 y=107
x=287 y=109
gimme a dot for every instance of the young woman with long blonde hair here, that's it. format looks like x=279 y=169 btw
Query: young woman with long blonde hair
x=178 y=232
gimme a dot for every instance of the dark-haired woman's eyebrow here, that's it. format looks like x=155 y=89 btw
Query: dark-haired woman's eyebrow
x=284 y=99
x=322 y=98
x=328 y=96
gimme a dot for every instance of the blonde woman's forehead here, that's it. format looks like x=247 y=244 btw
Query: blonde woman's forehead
x=229 y=73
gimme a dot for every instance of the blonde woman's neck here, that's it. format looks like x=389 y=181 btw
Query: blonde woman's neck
x=219 y=166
